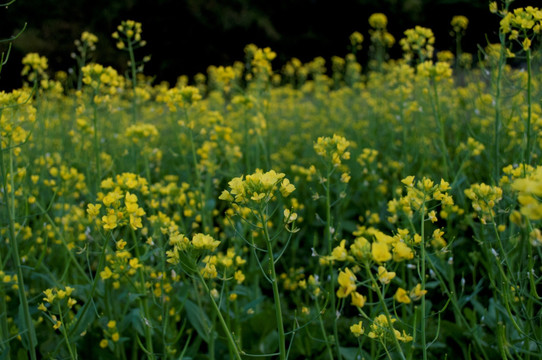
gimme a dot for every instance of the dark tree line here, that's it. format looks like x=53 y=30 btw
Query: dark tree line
x=184 y=37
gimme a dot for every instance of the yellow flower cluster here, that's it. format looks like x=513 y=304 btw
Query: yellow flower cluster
x=141 y=133
x=472 y=147
x=437 y=71
x=379 y=34
x=259 y=61
x=356 y=39
x=99 y=77
x=259 y=187
x=484 y=198
x=86 y=43
x=176 y=97
x=405 y=297
x=418 y=195
x=347 y=286
x=333 y=149
x=459 y=23
x=57 y=294
x=128 y=34
x=529 y=194
x=34 y=66
x=418 y=42
x=120 y=203
x=380 y=329
x=522 y=25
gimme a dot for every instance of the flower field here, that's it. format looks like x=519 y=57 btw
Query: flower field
x=319 y=210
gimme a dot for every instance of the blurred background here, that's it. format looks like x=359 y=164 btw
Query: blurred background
x=184 y=37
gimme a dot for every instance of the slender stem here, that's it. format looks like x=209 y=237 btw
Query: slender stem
x=322 y=328
x=329 y=245
x=496 y=140
x=276 y=293
x=143 y=303
x=422 y=275
x=527 y=155
x=65 y=334
x=97 y=148
x=440 y=122
x=382 y=301
x=9 y=203
x=227 y=331
x=201 y=188
x=134 y=80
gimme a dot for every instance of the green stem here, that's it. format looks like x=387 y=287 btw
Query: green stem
x=329 y=244
x=382 y=301
x=65 y=334
x=143 y=303
x=527 y=155
x=231 y=342
x=322 y=328
x=82 y=313
x=97 y=148
x=276 y=293
x=134 y=81
x=496 y=140
x=422 y=276
x=9 y=203
x=440 y=122
x=199 y=181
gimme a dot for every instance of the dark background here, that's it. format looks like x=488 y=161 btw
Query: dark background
x=186 y=36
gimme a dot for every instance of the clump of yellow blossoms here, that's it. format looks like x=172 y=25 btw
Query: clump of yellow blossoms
x=459 y=24
x=418 y=42
x=356 y=38
x=257 y=188
x=437 y=71
x=34 y=66
x=128 y=35
x=333 y=149
x=120 y=202
x=99 y=77
x=379 y=34
x=484 y=198
x=522 y=25
x=529 y=194
x=380 y=329
x=86 y=43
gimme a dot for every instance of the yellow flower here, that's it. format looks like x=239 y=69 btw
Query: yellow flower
x=115 y=337
x=357 y=329
x=106 y=273
x=239 y=276
x=202 y=241
x=49 y=296
x=111 y=324
x=358 y=299
x=402 y=251
x=378 y=21
x=408 y=181
x=385 y=276
x=459 y=23
x=93 y=210
x=380 y=252
x=104 y=343
x=416 y=293
x=109 y=221
x=401 y=295
x=340 y=253
x=347 y=282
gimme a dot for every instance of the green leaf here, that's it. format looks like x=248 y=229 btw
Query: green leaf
x=198 y=319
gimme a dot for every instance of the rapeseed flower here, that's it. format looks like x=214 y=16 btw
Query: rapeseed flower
x=347 y=282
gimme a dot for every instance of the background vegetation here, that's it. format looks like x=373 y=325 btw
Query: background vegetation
x=184 y=37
